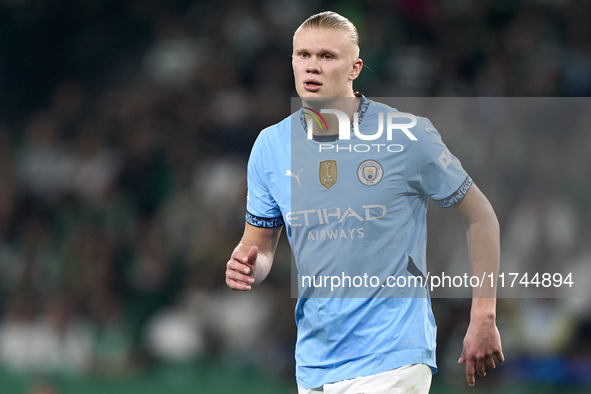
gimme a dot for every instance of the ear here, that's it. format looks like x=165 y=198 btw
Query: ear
x=355 y=69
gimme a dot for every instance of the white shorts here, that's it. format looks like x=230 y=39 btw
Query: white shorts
x=415 y=378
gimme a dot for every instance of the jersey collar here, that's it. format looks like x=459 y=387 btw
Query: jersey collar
x=363 y=106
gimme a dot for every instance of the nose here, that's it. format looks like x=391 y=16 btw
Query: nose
x=312 y=66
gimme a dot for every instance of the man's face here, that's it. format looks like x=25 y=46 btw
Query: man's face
x=324 y=63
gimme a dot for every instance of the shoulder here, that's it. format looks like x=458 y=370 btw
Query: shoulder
x=377 y=107
x=275 y=138
x=423 y=129
x=280 y=130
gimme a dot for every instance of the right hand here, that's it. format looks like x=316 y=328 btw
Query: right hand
x=240 y=268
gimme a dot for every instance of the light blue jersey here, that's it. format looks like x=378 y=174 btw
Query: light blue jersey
x=355 y=209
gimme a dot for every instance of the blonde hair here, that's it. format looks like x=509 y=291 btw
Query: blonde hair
x=332 y=21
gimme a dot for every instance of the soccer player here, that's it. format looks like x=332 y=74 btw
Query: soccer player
x=350 y=208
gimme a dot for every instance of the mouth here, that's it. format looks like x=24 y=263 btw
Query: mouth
x=312 y=85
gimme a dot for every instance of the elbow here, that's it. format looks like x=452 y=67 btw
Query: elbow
x=486 y=218
x=492 y=218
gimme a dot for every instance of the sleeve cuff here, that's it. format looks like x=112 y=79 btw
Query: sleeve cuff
x=456 y=196
x=257 y=221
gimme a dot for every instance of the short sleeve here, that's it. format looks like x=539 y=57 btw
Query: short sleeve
x=433 y=170
x=261 y=208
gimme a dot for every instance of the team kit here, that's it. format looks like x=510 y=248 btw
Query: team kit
x=367 y=211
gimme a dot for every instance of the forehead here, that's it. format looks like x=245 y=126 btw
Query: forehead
x=322 y=39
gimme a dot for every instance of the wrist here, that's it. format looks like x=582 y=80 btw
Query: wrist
x=483 y=309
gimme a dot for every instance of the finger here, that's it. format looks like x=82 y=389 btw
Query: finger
x=470 y=373
x=490 y=362
x=237 y=285
x=462 y=359
x=481 y=367
x=238 y=266
x=252 y=254
x=239 y=256
x=500 y=355
x=237 y=276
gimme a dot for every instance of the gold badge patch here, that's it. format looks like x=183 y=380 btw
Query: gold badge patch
x=328 y=173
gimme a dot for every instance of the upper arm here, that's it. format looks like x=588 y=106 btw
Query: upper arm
x=262 y=209
x=432 y=170
x=263 y=215
x=474 y=206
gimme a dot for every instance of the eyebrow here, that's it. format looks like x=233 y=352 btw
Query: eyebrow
x=331 y=51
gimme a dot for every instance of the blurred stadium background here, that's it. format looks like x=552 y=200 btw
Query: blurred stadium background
x=125 y=126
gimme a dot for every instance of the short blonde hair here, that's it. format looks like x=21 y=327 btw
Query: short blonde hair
x=332 y=21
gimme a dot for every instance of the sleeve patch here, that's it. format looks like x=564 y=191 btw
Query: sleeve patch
x=257 y=221
x=456 y=196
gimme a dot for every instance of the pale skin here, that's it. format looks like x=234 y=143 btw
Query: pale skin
x=331 y=61
x=330 y=58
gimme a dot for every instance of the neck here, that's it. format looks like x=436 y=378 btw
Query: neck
x=347 y=105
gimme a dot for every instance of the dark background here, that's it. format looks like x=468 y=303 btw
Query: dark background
x=125 y=126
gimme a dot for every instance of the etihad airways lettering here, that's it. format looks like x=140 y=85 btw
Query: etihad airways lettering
x=334 y=215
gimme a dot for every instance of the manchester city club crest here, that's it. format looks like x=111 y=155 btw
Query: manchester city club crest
x=370 y=172
x=328 y=173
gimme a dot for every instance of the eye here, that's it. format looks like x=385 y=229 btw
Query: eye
x=304 y=55
x=327 y=56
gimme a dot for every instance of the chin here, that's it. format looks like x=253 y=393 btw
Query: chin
x=304 y=93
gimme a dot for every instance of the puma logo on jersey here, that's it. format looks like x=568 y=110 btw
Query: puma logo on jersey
x=297 y=177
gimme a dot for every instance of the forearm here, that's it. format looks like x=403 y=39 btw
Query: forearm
x=484 y=254
x=482 y=340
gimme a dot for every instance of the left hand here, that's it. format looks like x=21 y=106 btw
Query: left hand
x=481 y=343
